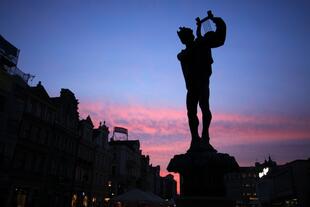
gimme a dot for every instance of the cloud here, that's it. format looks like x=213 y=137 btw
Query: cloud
x=163 y=132
x=280 y=151
x=138 y=119
x=258 y=128
x=168 y=123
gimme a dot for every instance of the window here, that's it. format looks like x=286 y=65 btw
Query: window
x=43 y=112
x=33 y=134
x=12 y=126
x=26 y=163
x=46 y=137
x=19 y=160
x=29 y=106
x=56 y=141
x=53 y=167
x=23 y=133
x=113 y=170
x=41 y=164
x=2 y=150
x=2 y=103
x=33 y=107
x=38 y=135
x=38 y=112
x=19 y=106
x=78 y=174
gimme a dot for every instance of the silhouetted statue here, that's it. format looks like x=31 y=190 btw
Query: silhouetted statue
x=202 y=169
x=196 y=61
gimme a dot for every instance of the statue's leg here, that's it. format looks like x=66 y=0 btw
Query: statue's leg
x=206 y=113
x=193 y=121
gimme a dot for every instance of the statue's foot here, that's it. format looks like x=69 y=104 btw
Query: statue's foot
x=205 y=144
x=195 y=144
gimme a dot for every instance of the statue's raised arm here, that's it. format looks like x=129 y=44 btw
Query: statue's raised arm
x=213 y=38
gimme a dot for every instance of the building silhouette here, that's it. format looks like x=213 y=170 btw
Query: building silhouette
x=51 y=157
x=268 y=184
x=168 y=187
x=287 y=185
x=241 y=186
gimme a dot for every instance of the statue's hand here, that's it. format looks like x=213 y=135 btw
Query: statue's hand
x=198 y=22
x=210 y=14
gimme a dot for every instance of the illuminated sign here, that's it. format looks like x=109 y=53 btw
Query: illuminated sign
x=264 y=172
x=121 y=130
x=122 y=133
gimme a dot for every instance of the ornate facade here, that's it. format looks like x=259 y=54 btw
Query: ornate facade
x=51 y=157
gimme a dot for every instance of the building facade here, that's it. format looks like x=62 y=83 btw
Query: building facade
x=242 y=186
x=49 y=156
x=168 y=187
x=288 y=185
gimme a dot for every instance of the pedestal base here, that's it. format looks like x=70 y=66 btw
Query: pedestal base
x=204 y=202
x=202 y=172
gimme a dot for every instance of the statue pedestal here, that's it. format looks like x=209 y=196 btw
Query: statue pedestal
x=202 y=176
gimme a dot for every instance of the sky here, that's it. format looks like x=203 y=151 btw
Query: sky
x=119 y=58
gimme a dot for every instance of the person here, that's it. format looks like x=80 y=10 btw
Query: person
x=118 y=204
x=196 y=60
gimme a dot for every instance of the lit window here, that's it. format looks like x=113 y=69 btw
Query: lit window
x=85 y=201
x=74 y=200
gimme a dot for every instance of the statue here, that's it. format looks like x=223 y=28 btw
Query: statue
x=196 y=61
x=201 y=168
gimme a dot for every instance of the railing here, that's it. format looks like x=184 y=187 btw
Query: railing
x=16 y=71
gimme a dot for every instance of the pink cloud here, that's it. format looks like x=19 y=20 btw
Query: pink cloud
x=225 y=128
x=163 y=132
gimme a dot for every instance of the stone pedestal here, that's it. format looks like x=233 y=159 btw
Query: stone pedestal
x=202 y=176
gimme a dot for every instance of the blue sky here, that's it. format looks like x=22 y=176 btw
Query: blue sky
x=123 y=54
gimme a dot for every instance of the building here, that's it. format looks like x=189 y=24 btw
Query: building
x=150 y=176
x=155 y=180
x=43 y=157
x=131 y=169
x=51 y=157
x=126 y=165
x=39 y=138
x=242 y=186
x=168 y=187
x=8 y=54
x=102 y=163
x=63 y=146
x=11 y=108
x=288 y=185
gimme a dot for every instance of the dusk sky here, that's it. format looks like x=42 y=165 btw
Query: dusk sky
x=119 y=58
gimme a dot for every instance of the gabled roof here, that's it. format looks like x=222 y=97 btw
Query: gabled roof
x=87 y=121
x=40 y=92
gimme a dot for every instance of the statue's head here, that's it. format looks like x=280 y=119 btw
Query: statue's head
x=186 y=35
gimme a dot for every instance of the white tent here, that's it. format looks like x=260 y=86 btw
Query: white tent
x=137 y=198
